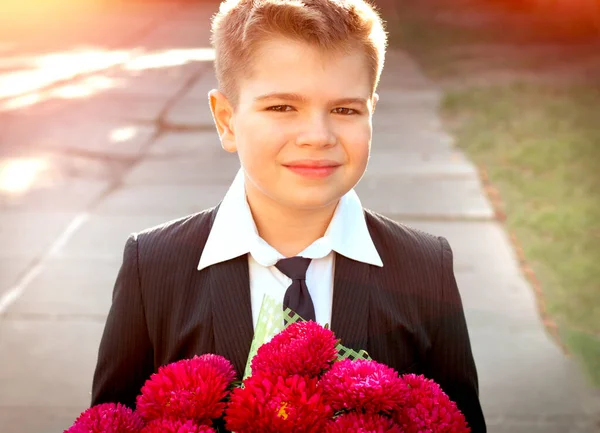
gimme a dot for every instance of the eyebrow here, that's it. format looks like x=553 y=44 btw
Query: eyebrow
x=299 y=98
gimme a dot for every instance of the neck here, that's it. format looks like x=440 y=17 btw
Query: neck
x=289 y=231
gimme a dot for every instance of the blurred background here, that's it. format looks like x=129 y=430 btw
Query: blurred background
x=487 y=132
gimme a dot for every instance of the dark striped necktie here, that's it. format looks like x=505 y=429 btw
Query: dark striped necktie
x=297 y=298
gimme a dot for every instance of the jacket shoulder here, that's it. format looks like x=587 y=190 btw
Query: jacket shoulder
x=175 y=238
x=395 y=240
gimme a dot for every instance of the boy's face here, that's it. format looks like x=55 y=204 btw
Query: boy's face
x=302 y=126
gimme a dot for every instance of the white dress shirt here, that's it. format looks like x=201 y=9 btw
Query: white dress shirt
x=234 y=234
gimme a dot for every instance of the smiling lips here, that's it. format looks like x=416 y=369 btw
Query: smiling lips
x=314 y=169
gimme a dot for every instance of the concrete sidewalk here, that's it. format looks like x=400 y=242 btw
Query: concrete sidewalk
x=142 y=152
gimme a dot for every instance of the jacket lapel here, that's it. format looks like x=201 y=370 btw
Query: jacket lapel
x=350 y=311
x=232 y=310
x=229 y=284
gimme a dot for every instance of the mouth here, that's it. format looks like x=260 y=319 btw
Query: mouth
x=315 y=169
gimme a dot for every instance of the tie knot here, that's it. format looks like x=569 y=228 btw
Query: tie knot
x=294 y=267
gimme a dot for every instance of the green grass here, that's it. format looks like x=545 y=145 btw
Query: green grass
x=540 y=145
x=541 y=148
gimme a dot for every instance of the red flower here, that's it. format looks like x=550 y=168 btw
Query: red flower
x=427 y=408
x=304 y=348
x=175 y=426
x=267 y=404
x=365 y=386
x=362 y=423
x=191 y=389
x=107 y=418
x=221 y=364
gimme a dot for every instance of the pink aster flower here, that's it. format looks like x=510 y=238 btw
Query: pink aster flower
x=362 y=423
x=107 y=418
x=191 y=389
x=365 y=386
x=268 y=404
x=427 y=408
x=175 y=426
x=304 y=348
x=221 y=364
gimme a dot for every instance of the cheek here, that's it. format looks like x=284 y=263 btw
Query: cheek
x=358 y=146
x=260 y=142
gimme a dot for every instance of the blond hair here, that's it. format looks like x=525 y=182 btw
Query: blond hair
x=329 y=25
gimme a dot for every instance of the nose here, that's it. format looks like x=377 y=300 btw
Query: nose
x=316 y=132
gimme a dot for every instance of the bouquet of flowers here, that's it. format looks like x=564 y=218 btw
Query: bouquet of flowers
x=298 y=380
x=183 y=397
x=299 y=385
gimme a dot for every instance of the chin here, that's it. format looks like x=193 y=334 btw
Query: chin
x=313 y=202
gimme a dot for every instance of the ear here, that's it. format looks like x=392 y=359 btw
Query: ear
x=222 y=113
x=374 y=100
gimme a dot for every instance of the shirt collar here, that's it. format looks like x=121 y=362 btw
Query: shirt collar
x=234 y=233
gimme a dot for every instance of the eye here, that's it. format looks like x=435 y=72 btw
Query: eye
x=280 y=108
x=345 y=111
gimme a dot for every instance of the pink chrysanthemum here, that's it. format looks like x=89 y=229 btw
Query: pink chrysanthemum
x=268 y=404
x=107 y=418
x=362 y=423
x=427 y=408
x=175 y=426
x=366 y=386
x=304 y=348
x=221 y=364
x=191 y=389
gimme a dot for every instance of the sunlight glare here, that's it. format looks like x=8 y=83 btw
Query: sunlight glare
x=50 y=68
x=119 y=135
x=18 y=175
x=169 y=58
x=21 y=102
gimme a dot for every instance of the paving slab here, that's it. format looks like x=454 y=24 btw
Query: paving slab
x=200 y=89
x=71 y=195
x=188 y=28
x=524 y=375
x=183 y=145
x=97 y=125
x=73 y=288
x=47 y=419
x=157 y=74
x=193 y=109
x=173 y=201
x=10 y=272
x=103 y=237
x=386 y=162
x=55 y=358
x=402 y=72
x=475 y=244
x=77 y=281
x=424 y=197
x=190 y=171
x=110 y=138
x=426 y=141
x=564 y=424
x=140 y=109
x=190 y=113
x=23 y=237
x=399 y=120
x=393 y=98
x=506 y=301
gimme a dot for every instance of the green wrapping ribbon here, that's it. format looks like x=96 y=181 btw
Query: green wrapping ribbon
x=271 y=321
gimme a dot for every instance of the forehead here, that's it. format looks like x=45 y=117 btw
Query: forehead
x=287 y=66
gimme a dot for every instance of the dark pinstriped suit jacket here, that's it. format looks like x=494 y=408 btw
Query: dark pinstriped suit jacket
x=408 y=314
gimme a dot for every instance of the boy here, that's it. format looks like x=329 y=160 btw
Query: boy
x=296 y=95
